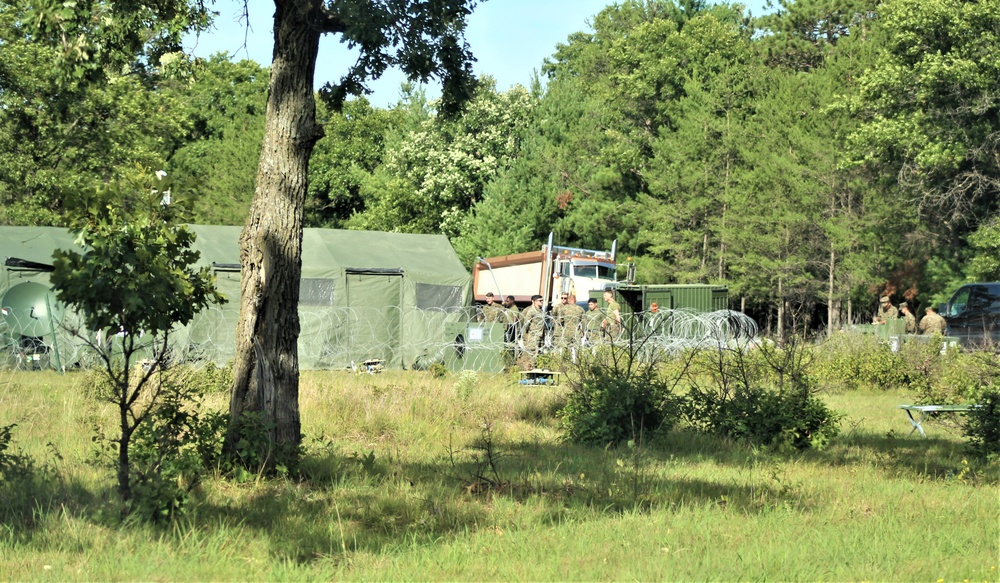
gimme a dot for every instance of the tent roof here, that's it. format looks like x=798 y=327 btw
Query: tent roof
x=34 y=244
x=423 y=257
x=429 y=258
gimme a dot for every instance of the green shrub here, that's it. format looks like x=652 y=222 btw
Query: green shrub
x=13 y=465
x=858 y=362
x=438 y=370
x=761 y=394
x=172 y=451
x=763 y=416
x=209 y=378
x=982 y=425
x=614 y=397
x=466 y=384
x=965 y=375
x=255 y=451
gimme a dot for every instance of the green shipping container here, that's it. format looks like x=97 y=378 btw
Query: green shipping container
x=697 y=297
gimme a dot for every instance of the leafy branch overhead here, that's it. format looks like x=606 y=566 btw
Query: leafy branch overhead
x=136 y=272
x=423 y=39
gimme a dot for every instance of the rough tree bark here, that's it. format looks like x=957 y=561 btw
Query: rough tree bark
x=266 y=367
x=422 y=37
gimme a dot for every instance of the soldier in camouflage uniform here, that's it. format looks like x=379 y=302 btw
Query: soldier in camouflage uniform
x=932 y=323
x=592 y=320
x=911 y=320
x=512 y=316
x=886 y=311
x=492 y=312
x=612 y=324
x=567 y=317
x=533 y=326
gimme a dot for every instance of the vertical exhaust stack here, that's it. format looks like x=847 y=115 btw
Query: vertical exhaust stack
x=490 y=268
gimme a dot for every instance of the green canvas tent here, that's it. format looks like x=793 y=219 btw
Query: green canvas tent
x=365 y=296
x=31 y=325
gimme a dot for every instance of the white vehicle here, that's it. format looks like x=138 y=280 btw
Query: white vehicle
x=548 y=272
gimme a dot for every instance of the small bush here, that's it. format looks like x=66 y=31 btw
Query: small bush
x=764 y=416
x=208 y=378
x=171 y=452
x=466 y=384
x=255 y=454
x=14 y=466
x=859 y=362
x=614 y=397
x=438 y=370
x=760 y=394
x=965 y=375
x=982 y=425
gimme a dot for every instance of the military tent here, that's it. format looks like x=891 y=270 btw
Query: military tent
x=365 y=296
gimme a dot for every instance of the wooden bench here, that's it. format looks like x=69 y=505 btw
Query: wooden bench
x=924 y=410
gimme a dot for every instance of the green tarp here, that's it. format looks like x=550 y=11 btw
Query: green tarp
x=364 y=295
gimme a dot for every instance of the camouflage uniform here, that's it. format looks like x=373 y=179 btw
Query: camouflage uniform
x=886 y=313
x=568 y=318
x=512 y=316
x=532 y=328
x=932 y=323
x=611 y=325
x=911 y=322
x=493 y=313
x=592 y=326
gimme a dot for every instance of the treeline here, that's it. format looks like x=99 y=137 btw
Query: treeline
x=811 y=159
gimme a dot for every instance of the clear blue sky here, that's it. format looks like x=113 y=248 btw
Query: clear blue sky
x=509 y=38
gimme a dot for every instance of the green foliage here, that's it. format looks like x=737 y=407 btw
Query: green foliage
x=131 y=285
x=758 y=415
x=952 y=376
x=172 y=451
x=354 y=147
x=207 y=378
x=465 y=385
x=255 y=453
x=615 y=397
x=438 y=370
x=762 y=395
x=424 y=39
x=26 y=486
x=437 y=171
x=982 y=425
x=58 y=136
x=985 y=244
x=925 y=107
x=225 y=106
x=95 y=38
x=13 y=465
x=859 y=362
x=135 y=273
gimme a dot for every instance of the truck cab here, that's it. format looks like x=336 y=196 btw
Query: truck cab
x=580 y=272
x=973 y=313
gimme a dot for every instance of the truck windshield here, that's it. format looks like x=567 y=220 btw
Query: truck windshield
x=595 y=271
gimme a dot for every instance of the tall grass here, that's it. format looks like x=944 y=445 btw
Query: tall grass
x=391 y=489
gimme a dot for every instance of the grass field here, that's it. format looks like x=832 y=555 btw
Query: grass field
x=398 y=487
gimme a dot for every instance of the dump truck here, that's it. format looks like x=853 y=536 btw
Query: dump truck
x=548 y=272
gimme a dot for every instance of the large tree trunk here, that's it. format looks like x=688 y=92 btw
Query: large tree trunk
x=266 y=367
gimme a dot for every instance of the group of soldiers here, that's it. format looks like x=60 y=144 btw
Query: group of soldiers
x=570 y=324
x=931 y=323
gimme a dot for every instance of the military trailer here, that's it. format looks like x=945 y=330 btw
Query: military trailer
x=635 y=298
